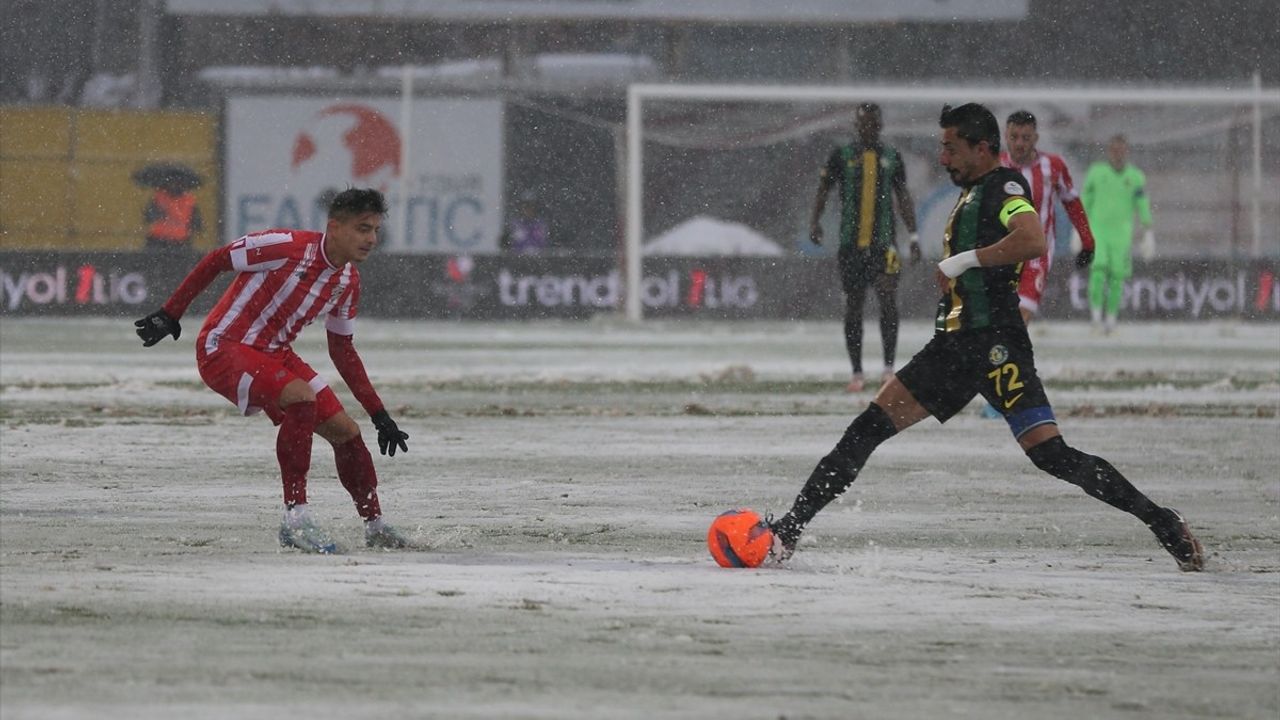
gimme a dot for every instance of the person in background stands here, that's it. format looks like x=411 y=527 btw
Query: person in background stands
x=526 y=233
x=172 y=217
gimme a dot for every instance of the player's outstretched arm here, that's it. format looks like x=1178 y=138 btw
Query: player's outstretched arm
x=1140 y=199
x=825 y=180
x=390 y=436
x=907 y=207
x=1080 y=221
x=815 y=217
x=342 y=350
x=154 y=327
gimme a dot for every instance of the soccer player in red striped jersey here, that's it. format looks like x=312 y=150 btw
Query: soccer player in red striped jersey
x=1050 y=179
x=285 y=279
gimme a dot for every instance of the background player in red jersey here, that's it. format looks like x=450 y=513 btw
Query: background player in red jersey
x=1050 y=179
x=286 y=279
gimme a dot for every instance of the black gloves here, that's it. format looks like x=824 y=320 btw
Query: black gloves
x=1084 y=258
x=155 y=326
x=389 y=434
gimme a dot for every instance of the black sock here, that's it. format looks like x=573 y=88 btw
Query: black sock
x=1096 y=477
x=889 y=329
x=853 y=329
x=837 y=471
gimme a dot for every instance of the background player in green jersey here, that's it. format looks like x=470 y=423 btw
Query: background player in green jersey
x=1113 y=192
x=980 y=346
x=869 y=173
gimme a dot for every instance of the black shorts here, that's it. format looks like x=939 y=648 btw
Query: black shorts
x=996 y=363
x=860 y=267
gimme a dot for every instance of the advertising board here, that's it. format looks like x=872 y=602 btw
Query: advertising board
x=284 y=152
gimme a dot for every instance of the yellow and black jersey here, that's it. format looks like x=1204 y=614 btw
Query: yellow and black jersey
x=866 y=175
x=983 y=296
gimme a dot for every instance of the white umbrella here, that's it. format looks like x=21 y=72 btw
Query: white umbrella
x=705 y=236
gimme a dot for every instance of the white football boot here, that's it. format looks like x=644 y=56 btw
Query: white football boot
x=298 y=531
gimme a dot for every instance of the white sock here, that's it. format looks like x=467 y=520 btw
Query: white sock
x=297 y=516
x=1112 y=320
x=374 y=526
x=1096 y=312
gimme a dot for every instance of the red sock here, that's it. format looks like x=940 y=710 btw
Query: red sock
x=355 y=470
x=293 y=450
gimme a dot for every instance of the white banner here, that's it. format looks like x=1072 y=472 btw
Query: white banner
x=283 y=153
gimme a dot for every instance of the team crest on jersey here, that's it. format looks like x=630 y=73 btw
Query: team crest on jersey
x=1013 y=188
x=998 y=354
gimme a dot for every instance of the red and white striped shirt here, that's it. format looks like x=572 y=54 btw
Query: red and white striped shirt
x=1049 y=178
x=283 y=283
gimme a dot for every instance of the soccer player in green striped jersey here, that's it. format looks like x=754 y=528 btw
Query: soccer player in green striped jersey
x=869 y=174
x=980 y=347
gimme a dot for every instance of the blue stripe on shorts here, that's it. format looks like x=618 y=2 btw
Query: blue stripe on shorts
x=1021 y=422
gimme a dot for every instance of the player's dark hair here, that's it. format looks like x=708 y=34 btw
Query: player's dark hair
x=1021 y=117
x=869 y=108
x=357 y=201
x=974 y=123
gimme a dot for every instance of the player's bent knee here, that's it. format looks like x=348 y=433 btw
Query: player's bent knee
x=296 y=391
x=1057 y=458
x=338 y=429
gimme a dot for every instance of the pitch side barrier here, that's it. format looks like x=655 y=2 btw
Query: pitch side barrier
x=528 y=288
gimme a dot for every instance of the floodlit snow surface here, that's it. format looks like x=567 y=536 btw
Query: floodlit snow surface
x=561 y=478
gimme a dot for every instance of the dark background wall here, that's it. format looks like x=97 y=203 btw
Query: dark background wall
x=67 y=41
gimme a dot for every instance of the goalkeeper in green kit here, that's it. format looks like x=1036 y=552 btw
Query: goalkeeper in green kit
x=1113 y=192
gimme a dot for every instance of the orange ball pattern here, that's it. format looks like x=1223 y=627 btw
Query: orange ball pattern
x=739 y=538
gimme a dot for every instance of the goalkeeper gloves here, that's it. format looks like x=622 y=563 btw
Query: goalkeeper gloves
x=1083 y=258
x=154 y=327
x=1147 y=249
x=390 y=435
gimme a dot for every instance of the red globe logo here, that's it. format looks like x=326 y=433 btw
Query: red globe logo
x=356 y=136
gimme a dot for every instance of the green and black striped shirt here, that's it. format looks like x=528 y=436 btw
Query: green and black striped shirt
x=866 y=175
x=983 y=296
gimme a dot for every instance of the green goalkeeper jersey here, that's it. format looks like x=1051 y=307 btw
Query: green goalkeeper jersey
x=1112 y=197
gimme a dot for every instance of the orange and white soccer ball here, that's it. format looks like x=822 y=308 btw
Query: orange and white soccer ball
x=739 y=538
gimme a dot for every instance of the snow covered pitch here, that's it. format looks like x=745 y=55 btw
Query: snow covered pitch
x=563 y=476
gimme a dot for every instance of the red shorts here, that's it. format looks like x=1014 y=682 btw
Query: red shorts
x=1031 y=283
x=252 y=380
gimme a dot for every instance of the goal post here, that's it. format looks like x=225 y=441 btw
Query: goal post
x=1255 y=99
